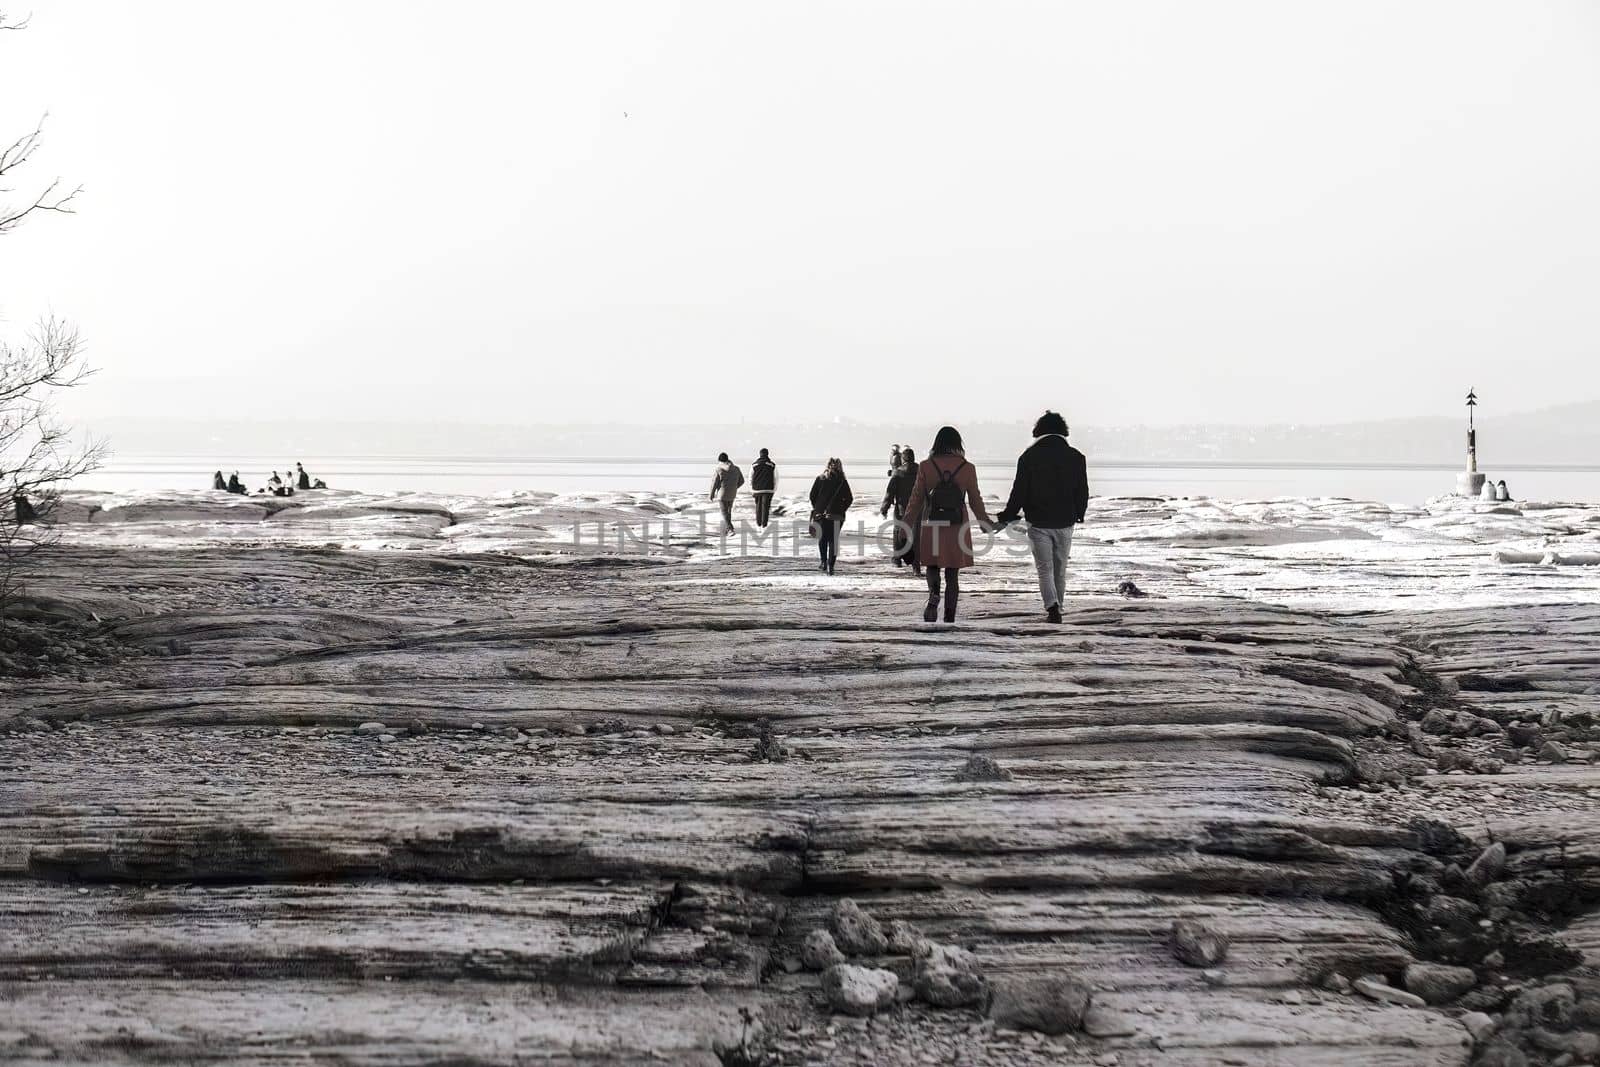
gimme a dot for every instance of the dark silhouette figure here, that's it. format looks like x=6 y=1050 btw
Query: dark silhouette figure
x=763 y=483
x=234 y=484
x=830 y=499
x=302 y=480
x=26 y=512
x=946 y=486
x=726 y=484
x=1501 y=493
x=895 y=498
x=218 y=482
x=1051 y=491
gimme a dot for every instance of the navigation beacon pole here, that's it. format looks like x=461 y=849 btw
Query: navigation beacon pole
x=1469 y=482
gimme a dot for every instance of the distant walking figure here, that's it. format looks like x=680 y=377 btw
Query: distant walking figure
x=1052 y=491
x=830 y=499
x=218 y=482
x=727 y=482
x=895 y=498
x=1501 y=493
x=302 y=480
x=763 y=483
x=946 y=486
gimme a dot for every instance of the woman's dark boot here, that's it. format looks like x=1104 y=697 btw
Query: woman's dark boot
x=931 y=612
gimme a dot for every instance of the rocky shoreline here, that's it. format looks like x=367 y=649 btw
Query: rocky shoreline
x=401 y=806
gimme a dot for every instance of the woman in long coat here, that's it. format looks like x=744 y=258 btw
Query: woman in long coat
x=944 y=537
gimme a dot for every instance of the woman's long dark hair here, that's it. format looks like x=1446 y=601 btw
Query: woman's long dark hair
x=946 y=441
x=833 y=468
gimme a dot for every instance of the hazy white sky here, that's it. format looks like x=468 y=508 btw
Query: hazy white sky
x=1135 y=212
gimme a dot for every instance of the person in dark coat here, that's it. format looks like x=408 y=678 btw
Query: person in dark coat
x=302 y=480
x=895 y=498
x=234 y=484
x=26 y=512
x=946 y=487
x=830 y=499
x=763 y=483
x=219 y=483
x=1051 y=491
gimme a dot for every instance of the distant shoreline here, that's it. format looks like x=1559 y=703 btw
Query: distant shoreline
x=858 y=461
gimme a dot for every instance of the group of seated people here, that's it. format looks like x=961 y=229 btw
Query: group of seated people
x=276 y=486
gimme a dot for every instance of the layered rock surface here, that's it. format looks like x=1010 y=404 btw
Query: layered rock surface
x=608 y=801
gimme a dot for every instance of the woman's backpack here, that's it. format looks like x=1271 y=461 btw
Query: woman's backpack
x=945 y=499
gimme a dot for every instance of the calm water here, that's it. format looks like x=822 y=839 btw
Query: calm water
x=1395 y=485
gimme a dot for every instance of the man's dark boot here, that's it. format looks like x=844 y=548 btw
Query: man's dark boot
x=1053 y=613
x=931 y=612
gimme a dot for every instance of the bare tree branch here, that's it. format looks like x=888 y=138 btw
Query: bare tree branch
x=37 y=454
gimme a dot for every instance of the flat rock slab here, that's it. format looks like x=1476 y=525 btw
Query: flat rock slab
x=588 y=854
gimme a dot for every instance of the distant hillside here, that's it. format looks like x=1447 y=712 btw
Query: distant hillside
x=1565 y=435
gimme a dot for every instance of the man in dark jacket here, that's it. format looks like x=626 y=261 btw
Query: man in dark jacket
x=763 y=483
x=897 y=496
x=1052 y=492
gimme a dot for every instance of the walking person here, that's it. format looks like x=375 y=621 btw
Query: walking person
x=830 y=499
x=1051 y=491
x=727 y=482
x=946 y=486
x=763 y=483
x=895 y=497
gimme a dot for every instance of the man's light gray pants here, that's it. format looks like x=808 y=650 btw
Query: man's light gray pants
x=1050 y=551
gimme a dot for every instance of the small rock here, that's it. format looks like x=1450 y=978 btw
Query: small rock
x=1336 y=983
x=818 y=952
x=386 y=738
x=371 y=728
x=948 y=977
x=664 y=728
x=904 y=939
x=1437 y=983
x=1196 y=944
x=1524 y=735
x=1501 y=1053
x=1293 y=996
x=1450 y=912
x=1437 y=721
x=982 y=769
x=1479 y=1024
x=1050 y=1004
x=856 y=932
x=859 y=990
x=1494 y=960
x=417 y=728
x=1374 y=987
x=1552 y=752
x=1489 y=865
